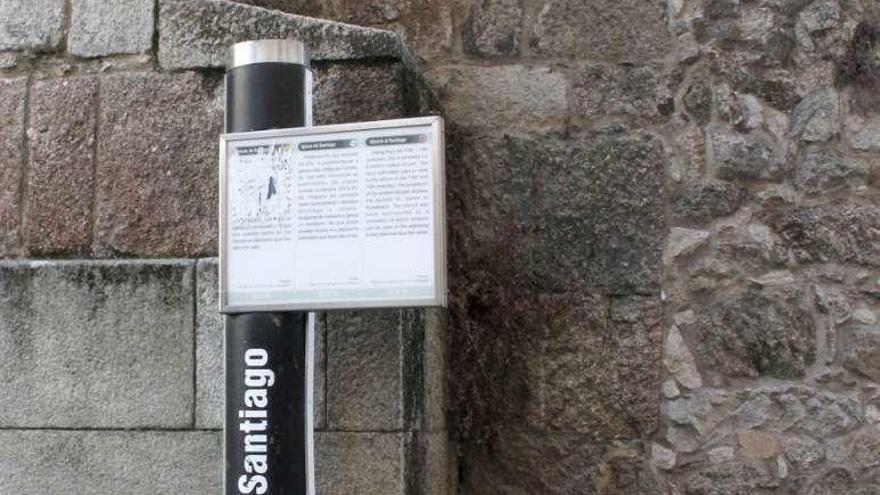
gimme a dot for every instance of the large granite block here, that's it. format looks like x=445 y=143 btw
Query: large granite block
x=602 y=375
x=365 y=385
x=198 y=33
x=36 y=25
x=88 y=344
x=358 y=92
x=157 y=165
x=512 y=97
x=101 y=27
x=61 y=165
x=612 y=30
x=602 y=223
x=13 y=94
x=41 y=462
x=531 y=462
x=840 y=231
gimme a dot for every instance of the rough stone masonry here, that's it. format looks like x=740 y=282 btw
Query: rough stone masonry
x=664 y=227
x=665 y=230
x=111 y=373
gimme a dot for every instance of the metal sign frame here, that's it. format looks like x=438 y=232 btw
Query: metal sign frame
x=438 y=165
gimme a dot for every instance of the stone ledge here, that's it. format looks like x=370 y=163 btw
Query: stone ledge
x=36 y=25
x=197 y=33
x=96 y=344
x=133 y=462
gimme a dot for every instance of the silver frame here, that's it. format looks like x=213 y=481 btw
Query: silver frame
x=438 y=142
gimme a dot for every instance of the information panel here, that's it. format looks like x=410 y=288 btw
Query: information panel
x=342 y=216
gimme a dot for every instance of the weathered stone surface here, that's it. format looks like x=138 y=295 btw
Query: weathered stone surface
x=601 y=224
x=425 y=26
x=834 y=303
x=210 y=392
x=730 y=478
x=530 y=462
x=867 y=139
x=358 y=92
x=865 y=450
x=602 y=89
x=704 y=200
x=498 y=177
x=99 y=27
x=742 y=156
x=754 y=245
x=157 y=165
x=493 y=27
x=196 y=34
x=684 y=242
x=355 y=463
x=750 y=112
x=96 y=344
x=818 y=17
x=694 y=410
x=100 y=462
x=511 y=96
x=698 y=102
x=861 y=350
x=13 y=94
x=753 y=334
x=817 y=117
x=758 y=444
x=601 y=377
x=669 y=389
x=804 y=452
x=865 y=316
x=840 y=231
x=31 y=24
x=9 y=60
x=310 y=8
x=688 y=157
x=719 y=455
x=826 y=414
x=837 y=480
x=626 y=30
x=822 y=171
x=439 y=470
x=679 y=361
x=61 y=143
x=435 y=370
x=364 y=370
x=662 y=457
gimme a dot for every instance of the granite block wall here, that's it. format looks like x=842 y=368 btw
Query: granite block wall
x=111 y=371
x=663 y=228
x=664 y=223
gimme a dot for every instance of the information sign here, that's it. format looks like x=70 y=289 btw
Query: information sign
x=341 y=216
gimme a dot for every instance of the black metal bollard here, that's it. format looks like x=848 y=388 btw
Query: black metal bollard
x=267 y=430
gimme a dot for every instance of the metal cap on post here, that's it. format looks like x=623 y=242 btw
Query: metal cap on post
x=268 y=86
x=268 y=355
x=268 y=51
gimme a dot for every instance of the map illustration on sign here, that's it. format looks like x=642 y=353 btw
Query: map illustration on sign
x=340 y=216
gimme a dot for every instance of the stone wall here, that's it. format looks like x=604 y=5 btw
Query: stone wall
x=110 y=342
x=664 y=223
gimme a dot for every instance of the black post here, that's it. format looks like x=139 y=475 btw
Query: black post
x=267 y=420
